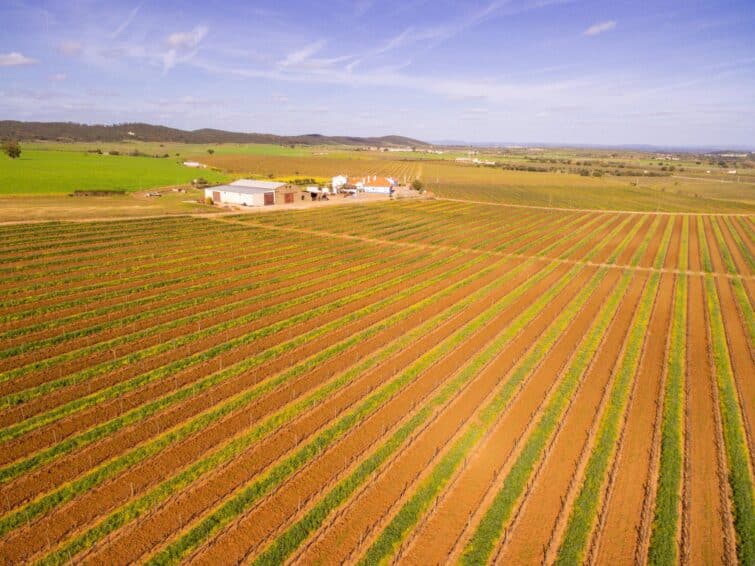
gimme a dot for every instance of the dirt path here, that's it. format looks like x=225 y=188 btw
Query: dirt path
x=672 y=256
x=154 y=529
x=706 y=528
x=382 y=497
x=741 y=355
x=88 y=506
x=472 y=491
x=618 y=539
x=536 y=518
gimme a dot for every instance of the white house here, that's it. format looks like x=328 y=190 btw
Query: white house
x=375 y=184
x=338 y=182
x=248 y=192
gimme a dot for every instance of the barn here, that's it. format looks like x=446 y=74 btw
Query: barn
x=249 y=192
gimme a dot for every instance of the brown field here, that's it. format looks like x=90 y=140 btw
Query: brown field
x=422 y=381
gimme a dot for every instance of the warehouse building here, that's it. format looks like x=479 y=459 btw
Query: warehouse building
x=249 y=192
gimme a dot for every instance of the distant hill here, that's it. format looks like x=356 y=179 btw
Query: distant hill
x=69 y=131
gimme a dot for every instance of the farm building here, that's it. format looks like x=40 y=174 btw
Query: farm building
x=248 y=192
x=373 y=184
x=368 y=184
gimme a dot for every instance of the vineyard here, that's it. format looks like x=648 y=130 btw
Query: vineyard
x=419 y=382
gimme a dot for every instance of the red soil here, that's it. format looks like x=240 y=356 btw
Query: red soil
x=706 y=543
x=618 y=539
x=473 y=490
x=536 y=518
x=672 y=255
x=78 y=462
x=155 y=529
x=740 y=354
x=693 y=241
x=381 y=498
x=260 y=456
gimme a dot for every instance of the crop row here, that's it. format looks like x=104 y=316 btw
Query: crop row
x=438 y=478
x=371 y=403
x=585 y=507
x=201 y=356
x=359 y=314
x=245 y=309
x=461 y=336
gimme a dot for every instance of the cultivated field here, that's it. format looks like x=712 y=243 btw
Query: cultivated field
x=428 y=382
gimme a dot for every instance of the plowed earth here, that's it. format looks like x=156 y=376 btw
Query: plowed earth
x=210 y=390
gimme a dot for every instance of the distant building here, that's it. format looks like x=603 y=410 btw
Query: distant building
x=248 y=192
x=366 y=183
x=373 y=184
x=338 y=182
x=195 y=164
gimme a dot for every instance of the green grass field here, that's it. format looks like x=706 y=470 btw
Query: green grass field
x=50 y=172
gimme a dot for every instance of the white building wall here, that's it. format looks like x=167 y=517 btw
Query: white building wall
x=228 y=197
x=380 y=190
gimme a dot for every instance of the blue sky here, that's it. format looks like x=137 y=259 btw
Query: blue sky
x=559 y=71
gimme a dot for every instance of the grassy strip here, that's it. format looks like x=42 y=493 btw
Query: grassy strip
x=747 y=227
x=588 y=228
x=144 y=411
x=402 y=523
x=61 y=411
x=488 y=532
x=584 y=510
x=559 y=233
x=272 y=477
x=739 y=291
x=740 y=243
x=663 y=248
x=684 y=246
x=664 y=546
x=704 y=253
x=737 y=452
x=629 y=237
x=723 y=248
x=46 y=503
x=239 y=503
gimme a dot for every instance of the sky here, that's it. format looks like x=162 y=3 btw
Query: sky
x=662 y=72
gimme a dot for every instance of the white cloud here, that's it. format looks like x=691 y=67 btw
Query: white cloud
x=599 y=28
x=187 y=39
x=132 y=14
x=58 y=77
x=183 y=46
x=303 y=54
x=70 y=48
x=14 y=59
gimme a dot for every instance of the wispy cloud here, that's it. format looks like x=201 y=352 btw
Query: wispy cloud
x=183 y=46
x=15 y=59
x=187 y=39
x=131 y=15
x=600 y=27
x=303 y=54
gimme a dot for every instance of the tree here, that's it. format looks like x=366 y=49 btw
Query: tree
x=417 y=185
x=12 y=149
x=210 y=151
